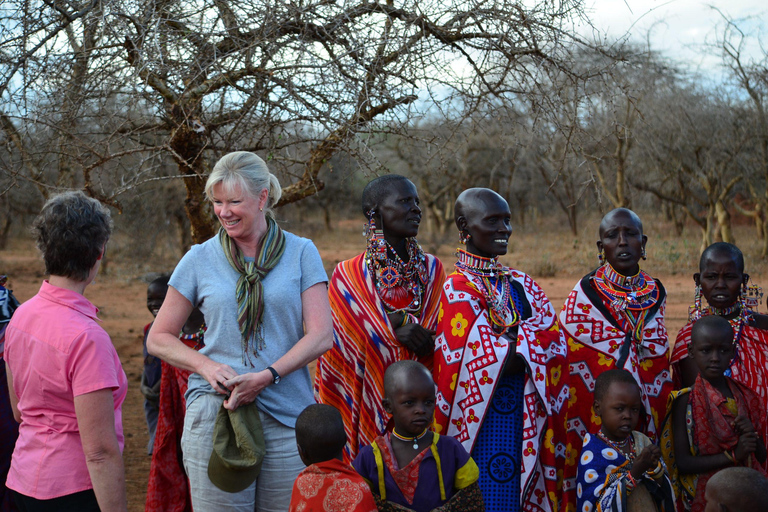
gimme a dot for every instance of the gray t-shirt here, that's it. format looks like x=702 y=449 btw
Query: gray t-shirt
x=207 y=280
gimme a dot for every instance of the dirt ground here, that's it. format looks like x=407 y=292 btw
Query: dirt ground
x=121 y=298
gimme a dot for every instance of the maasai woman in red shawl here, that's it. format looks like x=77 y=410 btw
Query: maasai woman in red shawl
x=614 y=318
x=499 y=365
x=723 y=283
x=168 y=487
x=384 y=305
x=718 y=422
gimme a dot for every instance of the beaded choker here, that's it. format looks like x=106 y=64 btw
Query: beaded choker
x=407 y=439
x=400 y=285
x=634 y=293
x=626 y=447
x=194 y=340
x=491 y=279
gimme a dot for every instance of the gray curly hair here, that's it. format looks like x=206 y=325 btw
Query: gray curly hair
x=71 y=232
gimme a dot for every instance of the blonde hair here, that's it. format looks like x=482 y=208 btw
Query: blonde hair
x=247 y=170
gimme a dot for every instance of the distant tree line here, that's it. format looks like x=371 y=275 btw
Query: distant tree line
x=133 y=101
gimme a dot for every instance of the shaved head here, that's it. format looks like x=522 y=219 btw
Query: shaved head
x=473 y=200
x=320 y=433
x=608 y=218
x=737 y=489
x=399 y=374
x=724 y=248
x=713 y=325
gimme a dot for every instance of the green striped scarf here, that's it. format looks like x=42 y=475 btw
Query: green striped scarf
x=249 y=291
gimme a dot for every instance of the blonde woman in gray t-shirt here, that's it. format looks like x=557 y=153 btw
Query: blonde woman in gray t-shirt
x=263 y=292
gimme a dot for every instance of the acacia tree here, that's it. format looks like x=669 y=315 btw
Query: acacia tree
x=119 y=87
x=751 y=76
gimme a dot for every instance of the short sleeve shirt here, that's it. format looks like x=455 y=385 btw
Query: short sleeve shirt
x=205 y=278
x=56 y=351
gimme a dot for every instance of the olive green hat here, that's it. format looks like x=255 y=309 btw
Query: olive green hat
x=238 y=448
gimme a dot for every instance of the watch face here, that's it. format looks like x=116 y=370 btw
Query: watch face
x=276 y=380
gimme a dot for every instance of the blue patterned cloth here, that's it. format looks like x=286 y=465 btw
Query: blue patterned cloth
x=498 y=449
x=604 y=484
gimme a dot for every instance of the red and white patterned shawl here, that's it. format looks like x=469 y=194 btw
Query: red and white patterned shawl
x=469 y=359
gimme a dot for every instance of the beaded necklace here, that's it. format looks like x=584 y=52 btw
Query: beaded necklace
x=491 y=278
x=634 y=293
x=629 y=297
x=408 y=439
x=194 y=340
x=397 y=280
x=626 y=447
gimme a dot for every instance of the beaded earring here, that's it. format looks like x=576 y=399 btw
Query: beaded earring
x=694 y=312
x=463 y=239
x=600 y=257
x=644 y=255
x=377 y=245
x=754 y=295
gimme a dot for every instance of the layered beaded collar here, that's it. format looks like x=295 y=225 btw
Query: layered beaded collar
x=484 y=273
x=633 y=293
x=478 y=265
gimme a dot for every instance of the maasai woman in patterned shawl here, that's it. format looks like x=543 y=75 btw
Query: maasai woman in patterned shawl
x=384 y=305
x=614 y=318
x=499 y=365
x=723 y=283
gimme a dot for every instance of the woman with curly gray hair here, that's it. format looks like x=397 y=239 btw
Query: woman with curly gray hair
x=66 y=382
x=263 y=293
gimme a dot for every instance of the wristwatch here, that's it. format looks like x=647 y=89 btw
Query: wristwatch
x=275 y=375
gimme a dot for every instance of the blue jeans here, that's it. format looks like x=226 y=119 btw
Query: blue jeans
x=272 y=490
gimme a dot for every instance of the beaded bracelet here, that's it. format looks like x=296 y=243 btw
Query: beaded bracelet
x=632 y=482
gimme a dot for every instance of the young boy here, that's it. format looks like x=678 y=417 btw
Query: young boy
x=718 y=422
x=150 y=377
x=328 y=484
x=737 y=490
x=421 y=470
x=620 y=468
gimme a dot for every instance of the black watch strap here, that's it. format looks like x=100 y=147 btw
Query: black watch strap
x=275 y=375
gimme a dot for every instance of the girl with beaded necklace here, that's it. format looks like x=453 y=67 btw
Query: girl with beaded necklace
x=723 y=284
x=499 y=364
x=620 y=468
x=384 y=304
x=614 y=318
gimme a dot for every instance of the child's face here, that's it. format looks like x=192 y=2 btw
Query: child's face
x=619 y=410
x=712 y=352
x=155 y=297
x=412 y=404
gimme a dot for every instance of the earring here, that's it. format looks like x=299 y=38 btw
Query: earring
x=754 y=296
x=600 y=257
x=644 y=255
x=743 y=297
x=694 y=312
x=377 y=245
x=463 y=239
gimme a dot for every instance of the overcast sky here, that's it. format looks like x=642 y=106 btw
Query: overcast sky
x=680 y=28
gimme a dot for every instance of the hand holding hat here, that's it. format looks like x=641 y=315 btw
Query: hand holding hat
x=238 y=448
x=245 y=388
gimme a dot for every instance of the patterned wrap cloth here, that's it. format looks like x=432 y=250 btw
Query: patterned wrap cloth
x=604 y=483
x=350 y=376
x=168 y=487
x=469 y=360
x=709 y=421
x=749 y=367
x=597 y=342
x=331 y=486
